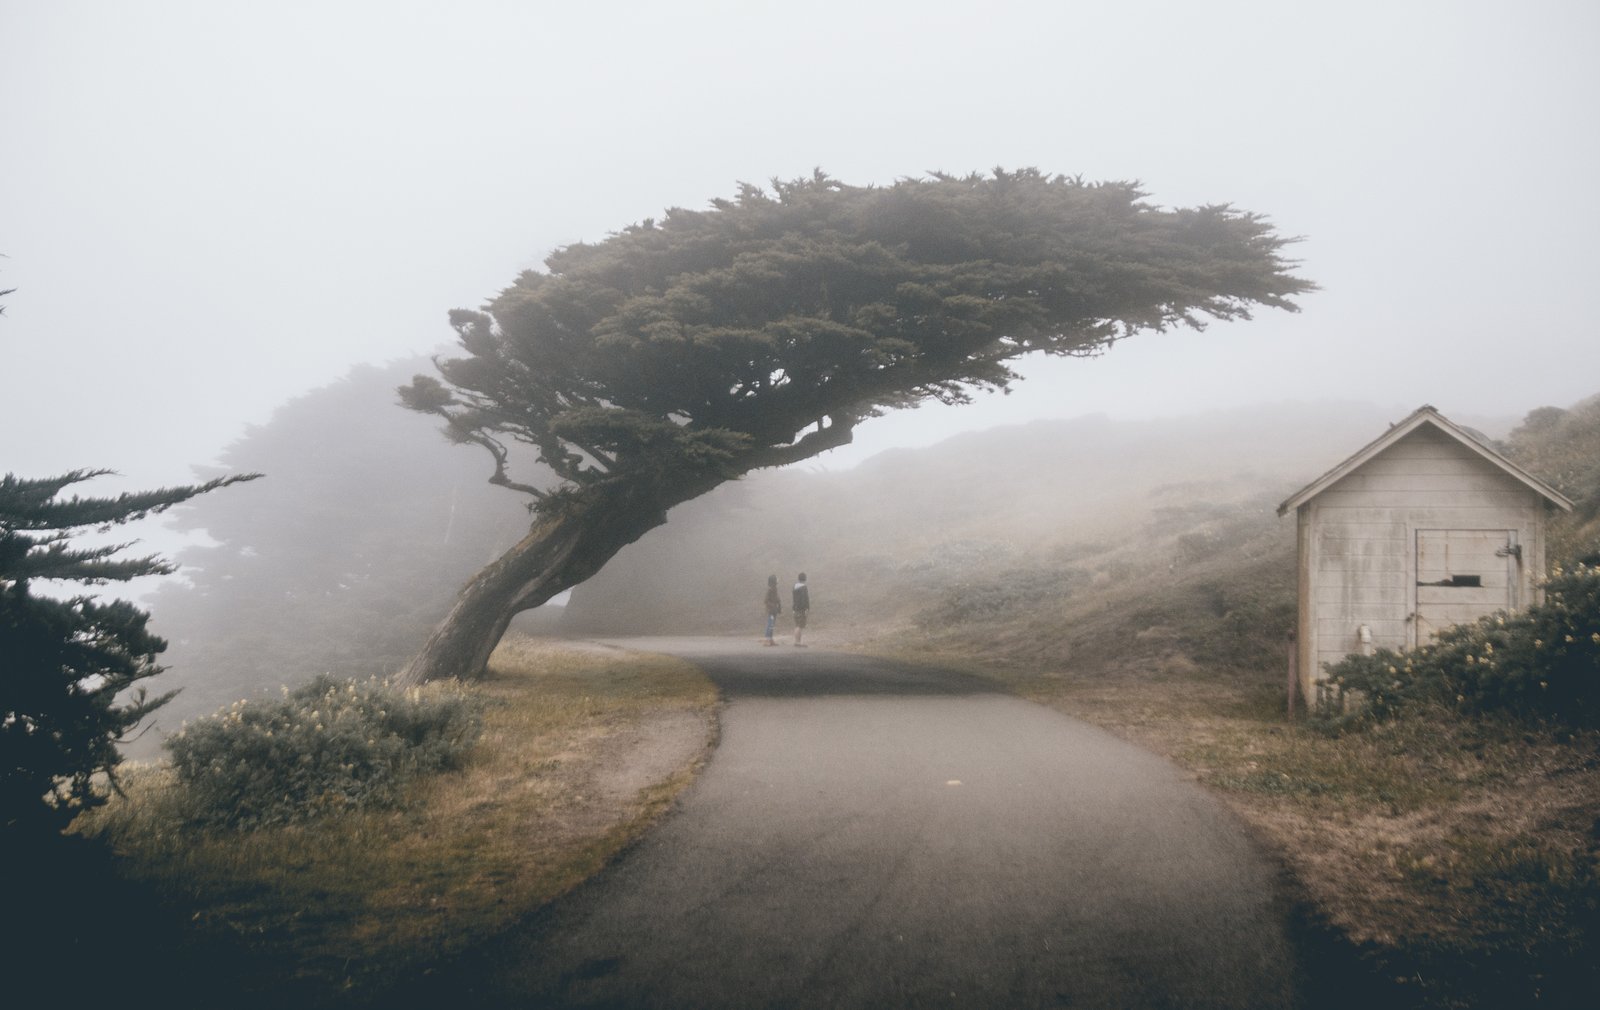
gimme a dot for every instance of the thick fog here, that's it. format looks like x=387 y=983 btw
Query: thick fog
x=207 y=208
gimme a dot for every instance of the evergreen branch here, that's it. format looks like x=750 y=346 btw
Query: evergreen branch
x=33 y=505
x=831 y=436
x=55 y=560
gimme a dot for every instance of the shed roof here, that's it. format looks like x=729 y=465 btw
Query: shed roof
x=1424 y=415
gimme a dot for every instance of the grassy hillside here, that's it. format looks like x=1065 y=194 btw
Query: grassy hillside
x=1443 y=861
x=1135 y=575
x=1447 y=861
x=1138 y=576
x=1563 y=447
x=1106 y=547
x=978 y=526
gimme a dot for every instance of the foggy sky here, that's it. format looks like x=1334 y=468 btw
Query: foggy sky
x=210 y=207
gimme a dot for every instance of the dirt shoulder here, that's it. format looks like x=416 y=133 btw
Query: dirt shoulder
x=1452 y=863
x=581 y=752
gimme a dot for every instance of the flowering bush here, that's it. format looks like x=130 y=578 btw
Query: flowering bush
x=1543 y=662
x=328 y=745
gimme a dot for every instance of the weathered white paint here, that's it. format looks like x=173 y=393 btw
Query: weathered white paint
x=1424 y=503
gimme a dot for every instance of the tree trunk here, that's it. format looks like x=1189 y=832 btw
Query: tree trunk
x=558 y=553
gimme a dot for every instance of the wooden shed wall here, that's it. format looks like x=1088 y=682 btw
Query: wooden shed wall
x=1358 y=546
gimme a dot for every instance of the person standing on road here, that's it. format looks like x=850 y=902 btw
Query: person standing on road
x=774 y=608
x=802 y=607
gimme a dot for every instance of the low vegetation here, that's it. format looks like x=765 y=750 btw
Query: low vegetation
x=339 y=562
x=1443 y=859
x=326 y=747
x=1137 y=575
x=1448 y=861
x=344 y=903
x=1542 y=663
x=1445 y=834
x=1444 y=837
x=75 y=666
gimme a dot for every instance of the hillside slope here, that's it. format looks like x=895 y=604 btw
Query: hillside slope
x=982 y=526
x=1087 y=544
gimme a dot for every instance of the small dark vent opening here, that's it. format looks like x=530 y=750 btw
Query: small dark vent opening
x=1458 y=582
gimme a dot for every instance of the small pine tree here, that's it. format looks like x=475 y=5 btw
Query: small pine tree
x=64 y=662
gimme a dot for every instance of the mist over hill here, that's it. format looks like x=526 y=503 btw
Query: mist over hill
x=891 y=540
x=1086 y=547
x=1084 y=542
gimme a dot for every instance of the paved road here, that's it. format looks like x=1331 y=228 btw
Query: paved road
x=870 y=834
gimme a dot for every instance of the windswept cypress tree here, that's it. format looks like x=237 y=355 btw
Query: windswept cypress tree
x=651 y=367
x=64 y=662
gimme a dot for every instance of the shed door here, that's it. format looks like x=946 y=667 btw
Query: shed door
x=1463 y=575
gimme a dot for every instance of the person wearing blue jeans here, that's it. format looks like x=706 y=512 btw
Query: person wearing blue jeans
x=774 y=608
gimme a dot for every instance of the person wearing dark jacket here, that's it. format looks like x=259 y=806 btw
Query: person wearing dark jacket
x=802 y=607
x=774 y=608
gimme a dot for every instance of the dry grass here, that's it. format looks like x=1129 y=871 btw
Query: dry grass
x=1461 y=857
x=1459 y=860
x=581 y=750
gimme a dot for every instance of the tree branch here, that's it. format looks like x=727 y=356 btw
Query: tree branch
x=501 y=458
x=839 y=433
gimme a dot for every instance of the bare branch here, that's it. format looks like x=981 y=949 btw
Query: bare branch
x=501 y=460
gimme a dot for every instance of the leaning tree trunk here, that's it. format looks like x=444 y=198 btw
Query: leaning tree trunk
x=558 y=553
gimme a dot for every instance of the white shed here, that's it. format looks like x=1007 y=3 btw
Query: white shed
x=1425 y=527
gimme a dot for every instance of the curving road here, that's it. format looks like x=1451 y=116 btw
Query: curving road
x=871 y=834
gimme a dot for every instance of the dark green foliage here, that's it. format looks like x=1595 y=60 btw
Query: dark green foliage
x=1563 y=447
x=709 y=341
x=1376 y=688
x=326 y=746
x=649 y=368
x=64 y=661
x=1542 y=663
x=1559 y=445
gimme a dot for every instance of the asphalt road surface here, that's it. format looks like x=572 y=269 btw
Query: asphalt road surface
x=871 y=834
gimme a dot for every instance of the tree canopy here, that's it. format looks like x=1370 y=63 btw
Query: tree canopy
x=341 y=563
x=763 y=330
x=66 y=660
x=648 y=368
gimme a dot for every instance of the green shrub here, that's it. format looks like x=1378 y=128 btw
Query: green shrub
x=329 y=745
x=1376 y=688
x=1542 y=663
x=71 y=665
